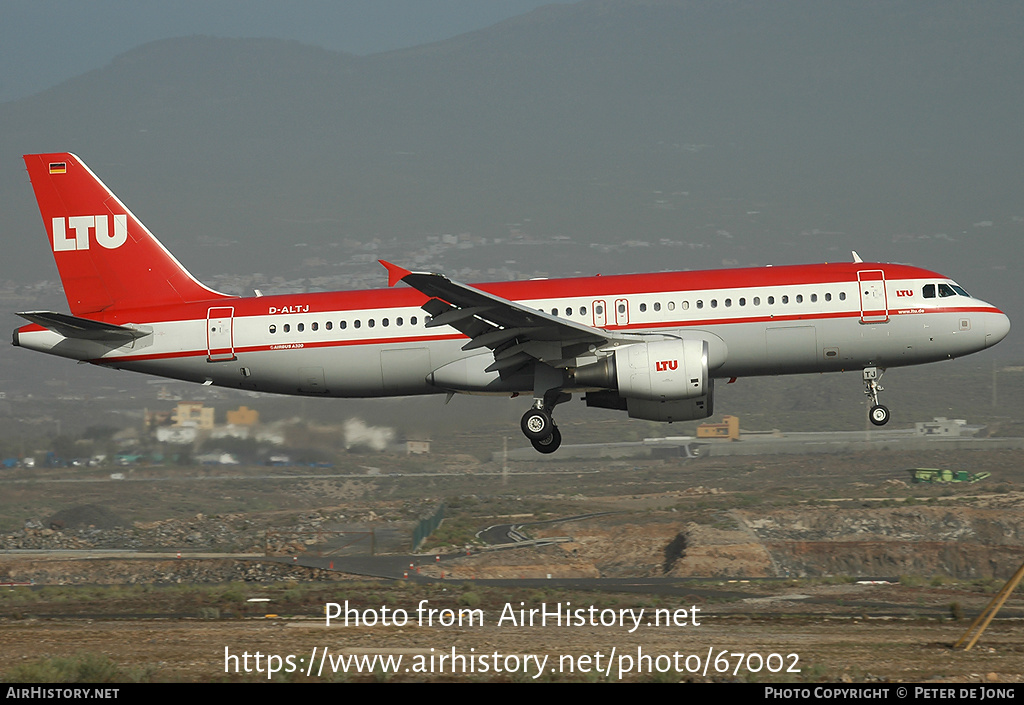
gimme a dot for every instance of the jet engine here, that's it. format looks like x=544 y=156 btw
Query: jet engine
x=662 y=380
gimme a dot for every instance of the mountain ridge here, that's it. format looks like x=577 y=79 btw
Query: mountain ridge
x=887 y=125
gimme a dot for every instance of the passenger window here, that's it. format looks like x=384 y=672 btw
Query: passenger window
x=398 y=321
x=799 y=298
x=700 y=304
x=287 y=327
x=385 y=323
x=657 y=307
x=643 y=308
x=828 y=297
x=728 y=302
x=412 y=321
x=842 y=296
x=343 y=325
x=357 y=323
x=743 y=301
x=301 y=327
x=329 y=325
x=757 y=300
x=371 y=323
x=314 y=326
x=771 y=300
x=671 y=305
x=686 y=305
x=814 y=298
x=273 y=329
x=785 y=299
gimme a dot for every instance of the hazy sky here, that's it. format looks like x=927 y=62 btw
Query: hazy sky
x=44 y=42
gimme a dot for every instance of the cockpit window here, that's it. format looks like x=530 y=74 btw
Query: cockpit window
x=946 y=290
x=960 y=290
x=929 y=291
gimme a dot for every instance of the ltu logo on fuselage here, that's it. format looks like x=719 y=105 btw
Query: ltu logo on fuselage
x=80 y=225
x=666 y=365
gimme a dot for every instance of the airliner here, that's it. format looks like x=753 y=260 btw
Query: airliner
x=651 y=345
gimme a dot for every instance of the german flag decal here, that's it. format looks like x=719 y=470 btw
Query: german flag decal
x=58 y=167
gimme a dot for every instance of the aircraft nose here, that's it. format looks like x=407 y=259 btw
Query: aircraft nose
x=997 y=325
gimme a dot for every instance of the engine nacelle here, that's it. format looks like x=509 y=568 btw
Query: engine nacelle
x=680 y=410
x=660 y=370
x=662 y=380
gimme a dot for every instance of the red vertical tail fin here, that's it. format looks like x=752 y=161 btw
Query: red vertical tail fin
x=106 y=257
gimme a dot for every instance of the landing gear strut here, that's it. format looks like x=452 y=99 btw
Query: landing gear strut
x=878 y=414
x=538 y=424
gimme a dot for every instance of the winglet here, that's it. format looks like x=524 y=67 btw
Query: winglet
x=395 y=273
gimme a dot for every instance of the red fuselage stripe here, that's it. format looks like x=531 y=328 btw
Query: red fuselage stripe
x=666 y=284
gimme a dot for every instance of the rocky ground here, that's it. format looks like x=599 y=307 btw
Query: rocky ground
x=806 y=632
x=809 y=530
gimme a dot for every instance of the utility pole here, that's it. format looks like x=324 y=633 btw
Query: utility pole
x=504 y=463
x=995 y=394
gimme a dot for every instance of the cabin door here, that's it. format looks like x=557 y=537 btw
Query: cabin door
x=874 y=307
x=220 y=344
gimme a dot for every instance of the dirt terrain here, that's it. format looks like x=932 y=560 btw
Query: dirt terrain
x=769 y=551
x=822 y=632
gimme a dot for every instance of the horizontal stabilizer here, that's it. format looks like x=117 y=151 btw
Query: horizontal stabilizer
x=82 y=328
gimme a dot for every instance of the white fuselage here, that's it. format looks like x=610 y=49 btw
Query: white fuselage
x=380 y=345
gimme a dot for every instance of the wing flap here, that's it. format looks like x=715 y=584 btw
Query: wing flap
x=467 y=324
x=498 y=337
x=454 y=315
x=510 y=363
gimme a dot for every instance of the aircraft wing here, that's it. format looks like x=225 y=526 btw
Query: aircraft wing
x=517 y=334
x=83 y=328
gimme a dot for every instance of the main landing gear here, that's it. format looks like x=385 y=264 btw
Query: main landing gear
x=878 y=414
x=540 y=428
x=538 y=424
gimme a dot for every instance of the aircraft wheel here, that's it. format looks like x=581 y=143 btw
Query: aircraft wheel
x=537 y=424
x=879 y=415
x=549 y=444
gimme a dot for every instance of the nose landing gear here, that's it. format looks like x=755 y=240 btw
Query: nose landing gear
x=878 y=414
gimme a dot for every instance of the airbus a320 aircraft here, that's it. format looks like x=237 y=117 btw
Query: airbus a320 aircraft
x=648 y=344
